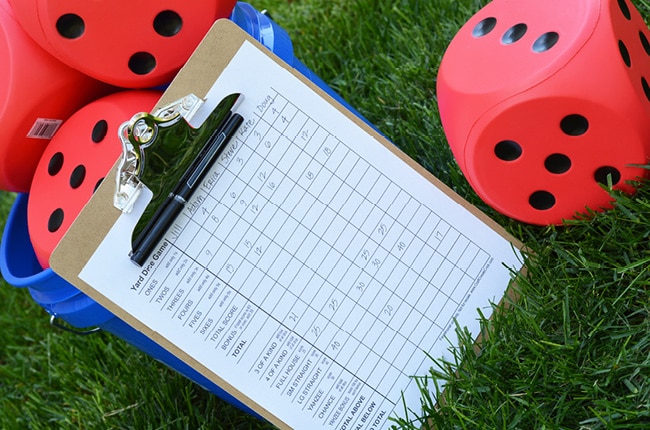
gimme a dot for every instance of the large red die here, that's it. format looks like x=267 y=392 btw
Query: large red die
x=75 y=163
x=131 y=44
x=544 y=102
x=37 y=92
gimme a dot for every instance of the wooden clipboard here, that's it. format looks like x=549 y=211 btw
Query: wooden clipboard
x=210 y=59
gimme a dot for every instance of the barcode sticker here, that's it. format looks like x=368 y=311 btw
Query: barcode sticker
x=44 y=128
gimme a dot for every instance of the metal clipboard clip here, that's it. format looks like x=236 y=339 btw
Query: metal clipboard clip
x=163 y=152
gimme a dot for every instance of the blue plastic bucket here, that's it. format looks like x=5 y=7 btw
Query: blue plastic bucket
x=20 y=268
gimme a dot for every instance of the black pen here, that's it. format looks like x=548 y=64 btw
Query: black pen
x=177 y=199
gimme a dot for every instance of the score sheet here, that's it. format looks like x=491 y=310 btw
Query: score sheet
x=315 y=270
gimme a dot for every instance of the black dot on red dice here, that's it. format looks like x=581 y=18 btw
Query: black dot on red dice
x=514 y=33
x=545 y=42
x=142 y=63
x=607 y=174
x=55 y=164
x=99 y=131
x=542 y=200
x=70 y=26
x=77 y=177
x=484 y=27
x=574 y=125
x=55 y=221
x=508 y=150
x=167 y=23
x=557 y=163
x=625 y=9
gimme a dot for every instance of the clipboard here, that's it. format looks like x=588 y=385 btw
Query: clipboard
x=357 y=273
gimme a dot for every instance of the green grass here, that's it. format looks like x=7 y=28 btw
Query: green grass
x=572 y=353
x=51 y=379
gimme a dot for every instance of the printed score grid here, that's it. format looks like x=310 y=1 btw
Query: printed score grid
x=342 y=277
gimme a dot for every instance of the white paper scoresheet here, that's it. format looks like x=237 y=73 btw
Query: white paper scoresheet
x=313 y=270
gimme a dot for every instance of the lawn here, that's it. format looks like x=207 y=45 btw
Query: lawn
x=572 y=353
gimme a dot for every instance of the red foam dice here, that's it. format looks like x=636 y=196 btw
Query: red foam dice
x=74 y=164
x=37 y=93
x=131 y=44
x=544 y=102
